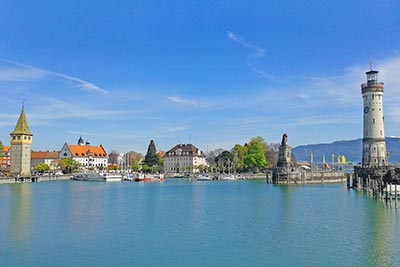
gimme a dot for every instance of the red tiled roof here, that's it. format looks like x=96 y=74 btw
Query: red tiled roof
x=83 y=151
x=44 y=155
x=6 y=149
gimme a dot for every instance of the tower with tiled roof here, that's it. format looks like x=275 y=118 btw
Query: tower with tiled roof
x=21 y=142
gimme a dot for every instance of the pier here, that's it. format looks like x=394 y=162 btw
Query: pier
x=379 y=182
x=33 y=179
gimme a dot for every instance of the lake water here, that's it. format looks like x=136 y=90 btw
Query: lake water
x=183 y=223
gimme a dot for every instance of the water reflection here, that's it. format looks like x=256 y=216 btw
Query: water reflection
x=379 y=227
x=21 y=222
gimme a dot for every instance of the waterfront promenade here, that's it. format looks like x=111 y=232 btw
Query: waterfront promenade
x=43 y=178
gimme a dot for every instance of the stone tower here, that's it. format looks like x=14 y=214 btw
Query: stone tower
x=21 y=142
x=374 y=144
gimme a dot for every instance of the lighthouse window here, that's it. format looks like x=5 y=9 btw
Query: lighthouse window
x=381 y=132
x=13 y=137
x=19 y=137
x=373 y=97
x=373 y=120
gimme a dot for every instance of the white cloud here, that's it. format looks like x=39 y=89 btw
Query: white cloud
x=260 y=73
x=176 y=129
x=258 y=52
x=183 y=101
x=29 y=73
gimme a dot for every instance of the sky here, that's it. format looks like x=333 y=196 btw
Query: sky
x=210 y=73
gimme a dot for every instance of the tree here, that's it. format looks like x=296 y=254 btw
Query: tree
x=239 y=154
x=133 y=158
x=113 y=157
x=210 y=156
x=71 y=165
x=271 y=155
x=146 y=168
x=152 y=157
x=42 y=167
x=255 y=158
x=135 y=167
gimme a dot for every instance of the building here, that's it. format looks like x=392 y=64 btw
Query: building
x=374 y=144
x=183 y=158
x=91 y=158
x=49 y=158
x=5 y=159
x=375 y=173
x=21 y=142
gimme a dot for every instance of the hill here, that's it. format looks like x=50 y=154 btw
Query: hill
x=351 y=149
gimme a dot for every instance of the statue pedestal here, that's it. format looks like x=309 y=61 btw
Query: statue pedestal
x=285 y=156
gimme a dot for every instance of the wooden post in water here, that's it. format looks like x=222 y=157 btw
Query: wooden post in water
x=386 y=193
x=395 y=193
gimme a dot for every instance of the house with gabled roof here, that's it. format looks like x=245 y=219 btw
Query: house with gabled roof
x=44 y=157
x=91 y=158
x=184 y=158
x=5 y=159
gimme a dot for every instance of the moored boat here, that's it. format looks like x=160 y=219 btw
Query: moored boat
x=150 y=178
x=112 y=177
x=90 y=177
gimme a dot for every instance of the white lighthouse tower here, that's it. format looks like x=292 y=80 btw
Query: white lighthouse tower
x=374 y=144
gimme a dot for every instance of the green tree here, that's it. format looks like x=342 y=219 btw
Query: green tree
x=239 y=155
x=146 y=168
x=71 y=165
x=152 y=157
x=42 y=167
x=255 y=158
x=135 y=167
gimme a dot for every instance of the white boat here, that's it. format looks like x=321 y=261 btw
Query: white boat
x=228 y=178
x=112 y=177
x=392 y=191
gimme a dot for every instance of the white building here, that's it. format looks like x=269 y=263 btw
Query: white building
x=374 y=144
x=183 y=158
x=90 y=157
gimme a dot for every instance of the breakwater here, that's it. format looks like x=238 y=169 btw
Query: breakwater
x=298 y=176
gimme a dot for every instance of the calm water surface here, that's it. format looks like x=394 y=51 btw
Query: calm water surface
x=183 y=223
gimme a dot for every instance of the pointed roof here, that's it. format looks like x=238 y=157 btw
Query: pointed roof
x=22 y=125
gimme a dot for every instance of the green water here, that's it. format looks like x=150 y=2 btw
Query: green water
x=183 y=223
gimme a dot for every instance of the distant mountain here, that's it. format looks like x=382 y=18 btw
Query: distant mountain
x=351 y=149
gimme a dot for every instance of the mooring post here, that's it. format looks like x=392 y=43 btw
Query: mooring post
x=386 y=192
x=395 y=194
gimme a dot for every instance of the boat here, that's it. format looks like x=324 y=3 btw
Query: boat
x=150 y=178
x=392 y=191
x=204 y=178
x=228 y=178
x=112 y=177
x=90 y=177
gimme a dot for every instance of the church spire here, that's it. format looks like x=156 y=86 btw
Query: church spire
x=22 y=124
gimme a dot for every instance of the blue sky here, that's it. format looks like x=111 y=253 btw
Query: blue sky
x=212 y=73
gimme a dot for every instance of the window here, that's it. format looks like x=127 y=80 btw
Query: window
x=373 y=121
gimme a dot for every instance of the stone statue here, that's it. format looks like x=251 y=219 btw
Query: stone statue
x=284 y=140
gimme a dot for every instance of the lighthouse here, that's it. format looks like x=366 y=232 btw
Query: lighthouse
x=374 y=144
